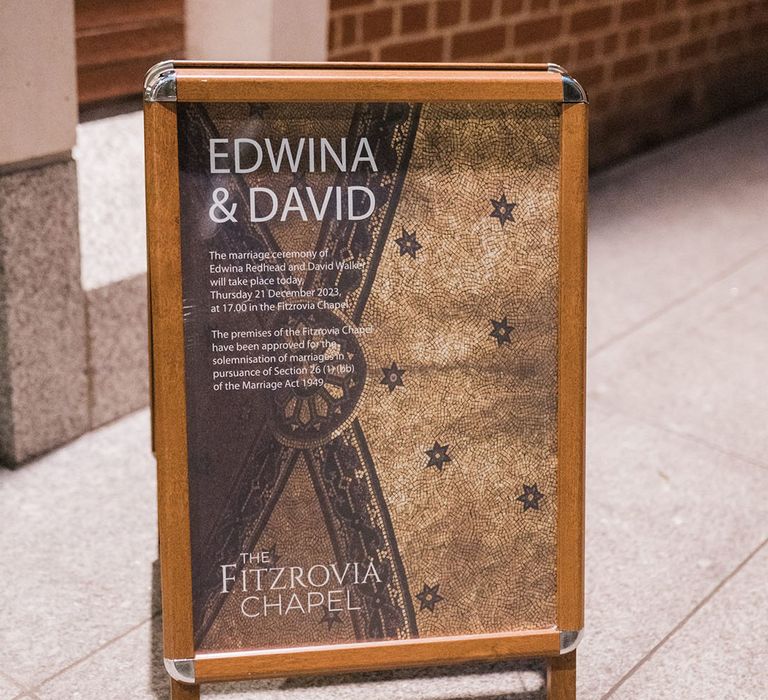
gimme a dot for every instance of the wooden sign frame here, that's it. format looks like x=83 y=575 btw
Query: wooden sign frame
x=170 y=83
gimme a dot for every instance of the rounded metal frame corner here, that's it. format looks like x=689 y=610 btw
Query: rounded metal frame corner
x=569 y=640
x=573 y=92
x=160 y=83
x=181 y=670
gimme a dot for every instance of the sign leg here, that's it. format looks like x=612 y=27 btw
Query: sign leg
x=182 y=691
x=561 y=677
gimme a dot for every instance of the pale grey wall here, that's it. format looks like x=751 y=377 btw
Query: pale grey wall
x=257 y=30
x=38 y=79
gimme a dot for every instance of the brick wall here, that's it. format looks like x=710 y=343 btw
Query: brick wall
x=653 y=68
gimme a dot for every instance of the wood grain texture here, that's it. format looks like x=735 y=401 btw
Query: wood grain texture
x=342 y=658
x=402 y=66
x=572 y=368
x=374 y=84
x=169 y=408
x=182 y=691
x=561 y=677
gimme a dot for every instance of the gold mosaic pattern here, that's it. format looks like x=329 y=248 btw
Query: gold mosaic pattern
x=495 y=406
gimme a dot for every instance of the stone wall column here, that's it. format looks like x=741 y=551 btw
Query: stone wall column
x=43 y=383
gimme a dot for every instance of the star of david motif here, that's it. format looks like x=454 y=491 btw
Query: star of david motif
x=393 y=377
x=502 y=210
x=501 y=331
x=531 y=497
x=408 y=244
x=438 y=456
x=429 y=597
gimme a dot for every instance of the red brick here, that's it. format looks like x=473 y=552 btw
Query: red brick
x=617 y=122
x=600 y=102
x=655 y=87
x=610 y=44
x=561 y=55
x=697 y=23
x=633 y=38
x=665 y=30
x=448 y=13
x=698 y=46
x=694 y=49
x=413 y=18
x=421 y=50
x=630 y=66
x=511 y=7
x=537 y=30
x=362 y=55
x=592 y=19
x=730 y=41
x=637 y=9
x=477 y=43
x=591 y=77
x=377 y=24
x=759 y=32
x=480 y=9
x=348 y=29
x=344 y=4
x=586 y=50
x=683 y=105
x=628 y=96
x=534 y=57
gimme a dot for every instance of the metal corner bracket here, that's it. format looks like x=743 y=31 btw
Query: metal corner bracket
x=569 y=640
x=181 y=670
x=160 y=83
x=572 y=90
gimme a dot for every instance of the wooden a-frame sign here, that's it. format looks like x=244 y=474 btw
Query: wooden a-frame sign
x=367 y=323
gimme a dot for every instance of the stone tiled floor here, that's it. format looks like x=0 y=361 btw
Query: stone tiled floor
x=677 y=477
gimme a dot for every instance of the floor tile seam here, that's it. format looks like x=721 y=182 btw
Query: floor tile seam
x=90 y=389
x=684 y=621
x=13 y=681
x=92 y=653
x=678 y=301
x=684 y=434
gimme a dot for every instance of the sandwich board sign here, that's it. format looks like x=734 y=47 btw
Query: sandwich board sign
x=367 y=321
